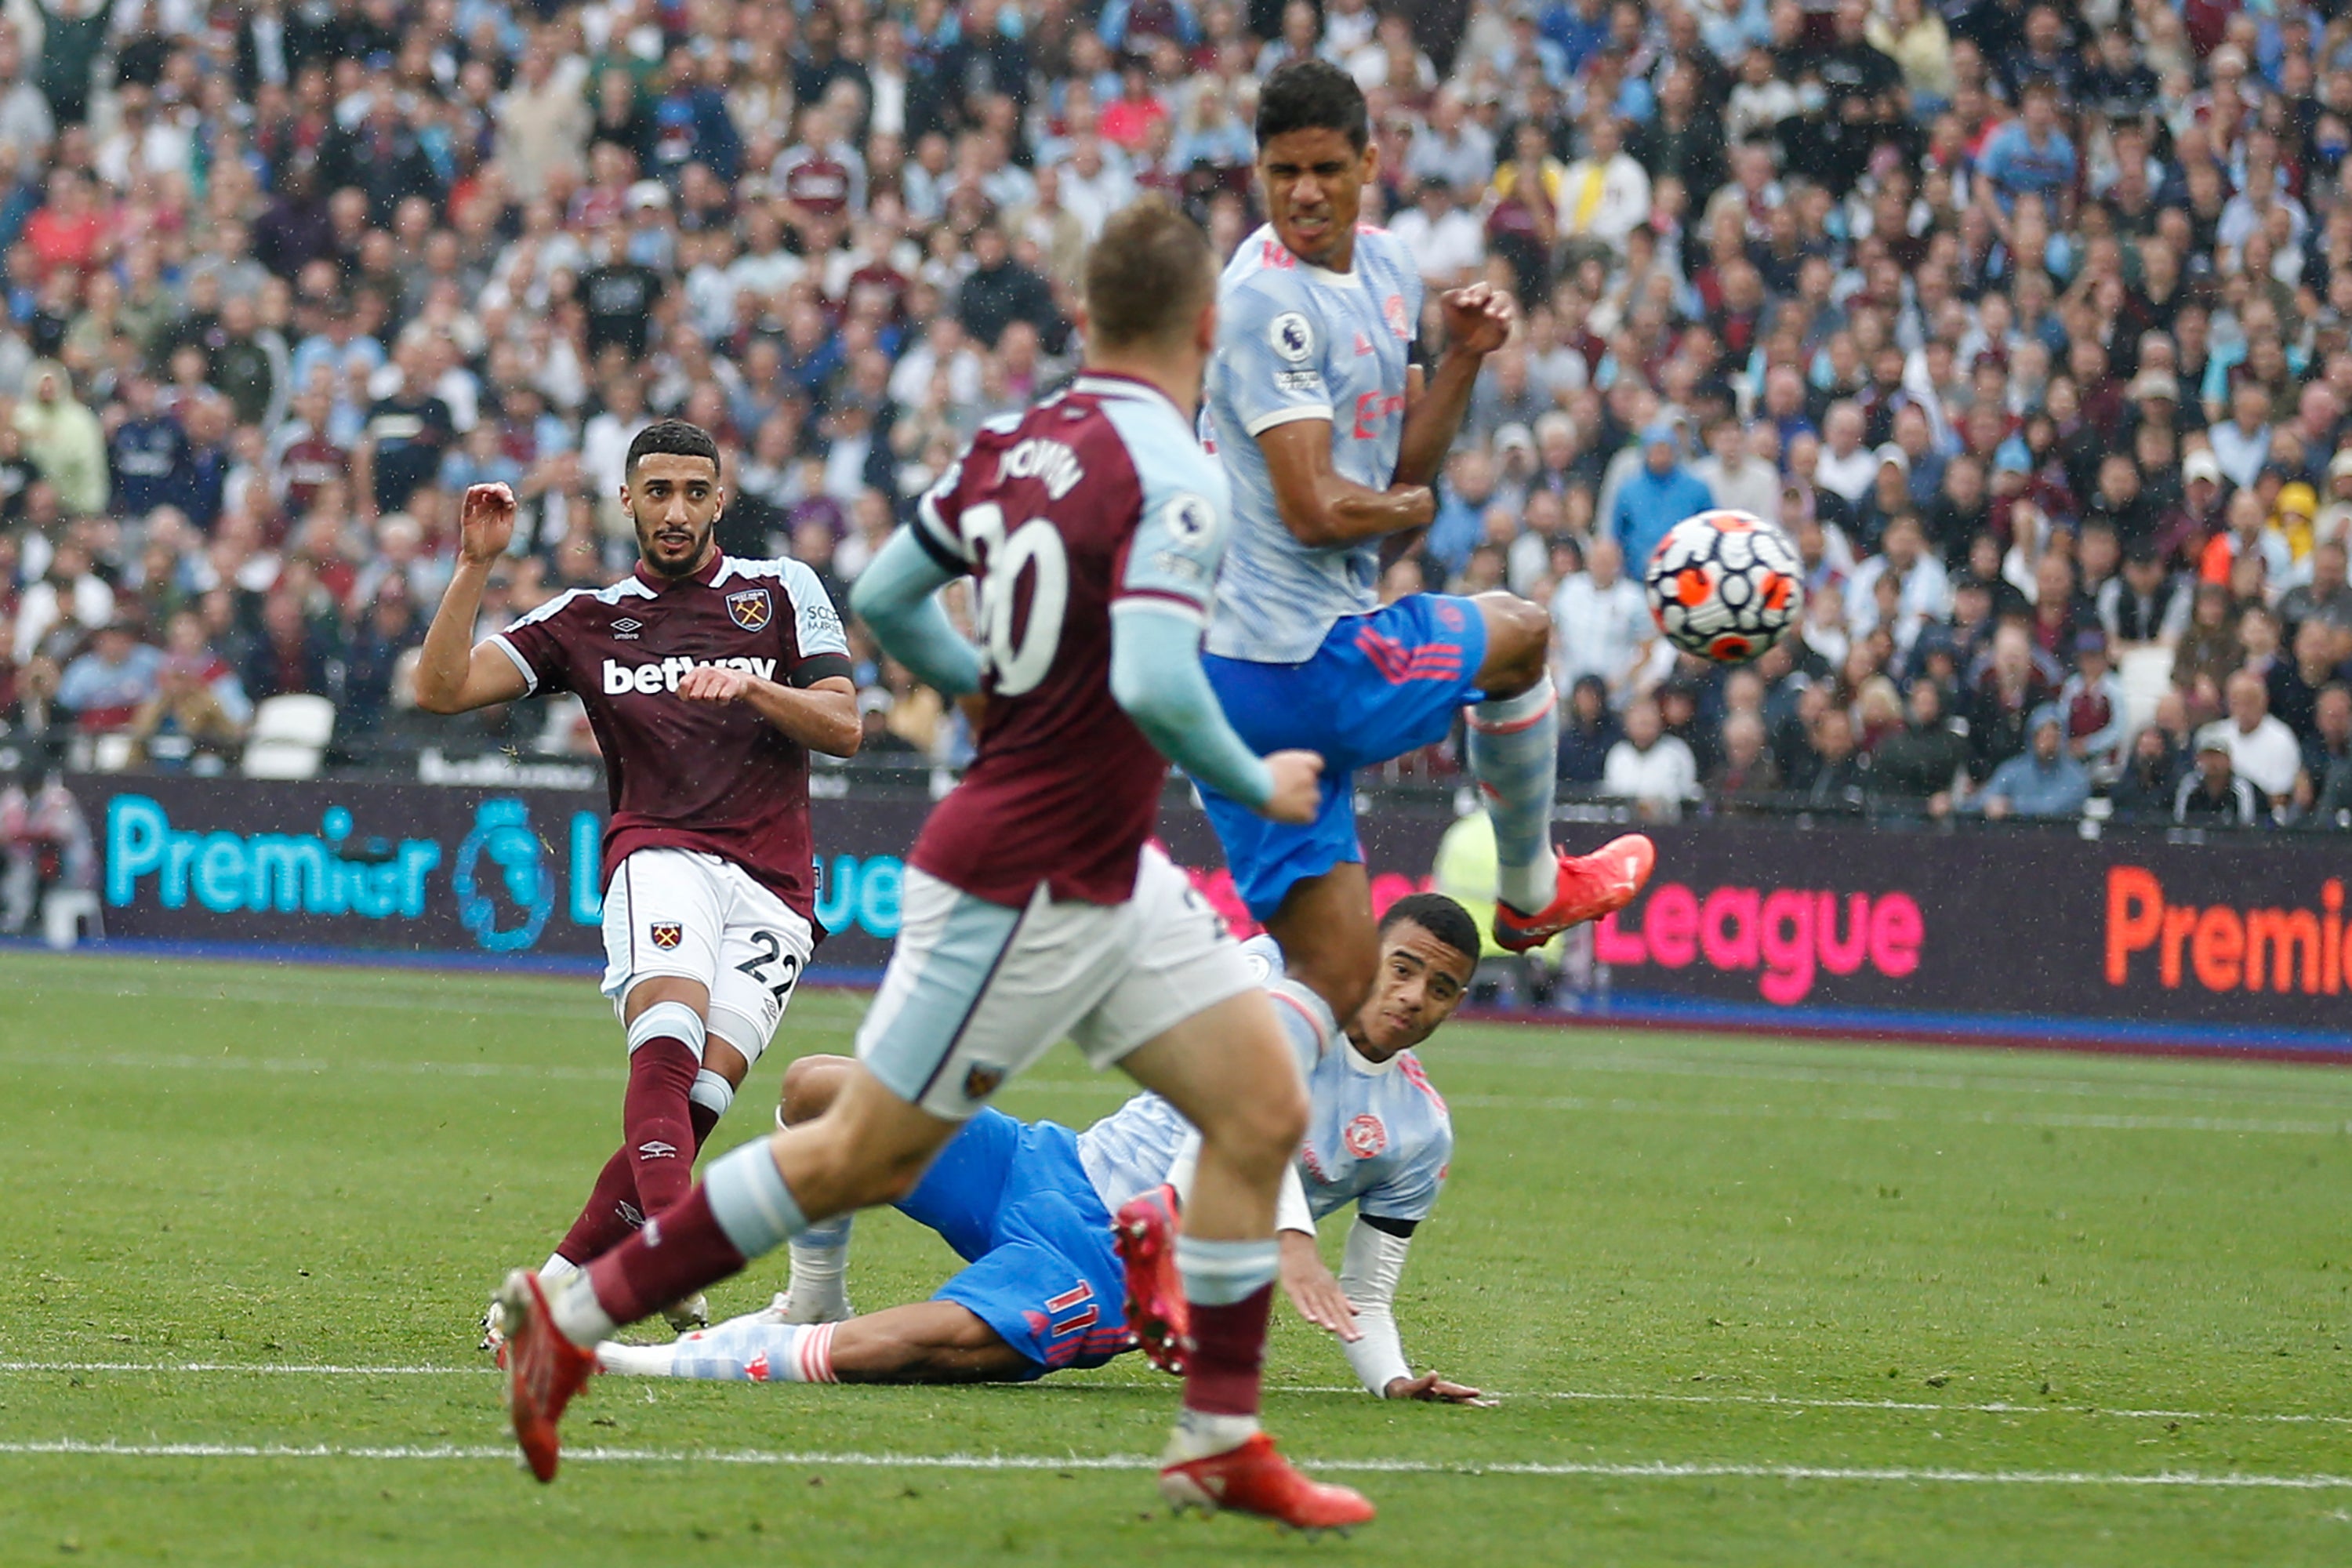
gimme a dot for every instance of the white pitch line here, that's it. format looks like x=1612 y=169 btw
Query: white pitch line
x=1769 y=1401
x=1656 y=1470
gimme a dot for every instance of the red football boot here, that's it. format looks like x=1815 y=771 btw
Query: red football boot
x=1157 y=1314
x=1591 y=886
x=1254 y=1478
x=543 y=1369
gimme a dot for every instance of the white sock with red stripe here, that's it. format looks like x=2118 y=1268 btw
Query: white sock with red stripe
x=1515 y=756
x=743 y=1349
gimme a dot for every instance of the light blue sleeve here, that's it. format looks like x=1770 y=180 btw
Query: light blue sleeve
x=1411 y=1192
x=898 y=595
x=1156 y=677
x=1272 y=345
x=1179 y=542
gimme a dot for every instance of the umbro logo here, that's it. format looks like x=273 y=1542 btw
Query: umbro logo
x=628 y=629
x=655 y=1149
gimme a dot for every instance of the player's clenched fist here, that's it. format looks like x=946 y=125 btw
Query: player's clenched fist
x=1297 y=786
x=485 y=524
x=709 y=683
x=1478 y=318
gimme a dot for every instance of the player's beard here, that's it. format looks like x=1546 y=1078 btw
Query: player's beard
x=662 y=562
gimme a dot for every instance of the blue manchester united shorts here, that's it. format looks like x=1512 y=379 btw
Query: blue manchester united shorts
x=1014 y=1200
x=1380 y=686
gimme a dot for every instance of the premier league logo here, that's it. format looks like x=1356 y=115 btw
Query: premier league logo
x=505 y=892
x=1290 y=337
x=751 y=609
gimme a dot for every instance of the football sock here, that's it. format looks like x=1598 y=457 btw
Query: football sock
x=557 y=1269
x=608 y=1218
x=745 y=1350
x=741 y=1209
x=820 y=1258
x=706 y=1104
x=1229 y=1288
x=657 y=1127
x=1514 y=755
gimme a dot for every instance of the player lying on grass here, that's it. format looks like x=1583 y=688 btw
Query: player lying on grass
x=1331 y=438
x=1034 y=908
x=708 y=680
x=1028 y=1208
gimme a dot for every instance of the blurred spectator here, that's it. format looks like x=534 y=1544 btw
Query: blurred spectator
x=1746 y=774
x=2263 y=751
x=1659 y=494
x=292 y=655
x=44 y=843
x=1835 y=772
x=63 y=439
x=2147 y=788
x=2042 y=781
x=104 y=688
x=1589 y=731
x=2211 y=793
x=1601 y=624
x=2145 y=604
x=2326 y=786
x=2090 y=704
x=2010 y=689
x=1649 y=767
x=1920 y=765
x=182 y=719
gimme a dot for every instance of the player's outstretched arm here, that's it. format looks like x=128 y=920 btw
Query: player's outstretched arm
x=1156 y=677
x=896 y=596
x=454 y=675
x=1478 y=320
x=1369 y=1273
x=1321 y=509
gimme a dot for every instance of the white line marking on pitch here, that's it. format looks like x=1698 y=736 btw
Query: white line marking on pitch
x=1652 y=1471
x=1780 y=1400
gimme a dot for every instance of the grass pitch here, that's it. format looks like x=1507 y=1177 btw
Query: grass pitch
x=1748 y=1302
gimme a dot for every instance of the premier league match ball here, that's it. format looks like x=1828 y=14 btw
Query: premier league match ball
x=1725 y=586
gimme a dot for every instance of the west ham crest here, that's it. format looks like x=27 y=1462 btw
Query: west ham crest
x=752 y=609
x=981 y=1080
x=667 y=935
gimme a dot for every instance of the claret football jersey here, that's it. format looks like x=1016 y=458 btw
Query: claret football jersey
x=715 y=777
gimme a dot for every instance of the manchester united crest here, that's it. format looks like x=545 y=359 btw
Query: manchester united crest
x=752 y=609
x=666 y=935
x=1366 y=1136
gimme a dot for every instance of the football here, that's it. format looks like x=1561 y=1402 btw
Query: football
x=1725 y=586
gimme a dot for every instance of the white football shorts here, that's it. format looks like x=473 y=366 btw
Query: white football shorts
x=683 y=914
x=977 y=991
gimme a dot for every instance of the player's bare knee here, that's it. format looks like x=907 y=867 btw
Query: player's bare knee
x=810 y=1085
x=1518 y=644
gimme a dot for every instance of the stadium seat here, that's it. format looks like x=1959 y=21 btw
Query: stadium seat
x=64 y=910
x=110 y=753
x=2147 y=676
x=289 y=737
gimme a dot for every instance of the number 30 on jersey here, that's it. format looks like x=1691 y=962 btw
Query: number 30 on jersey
x=1018 y=661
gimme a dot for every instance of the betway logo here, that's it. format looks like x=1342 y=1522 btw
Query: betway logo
x=664 y=676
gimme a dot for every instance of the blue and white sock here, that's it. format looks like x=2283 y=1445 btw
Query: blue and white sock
x=1514 y=755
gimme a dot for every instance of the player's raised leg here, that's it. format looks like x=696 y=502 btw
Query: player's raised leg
x=1514 y=753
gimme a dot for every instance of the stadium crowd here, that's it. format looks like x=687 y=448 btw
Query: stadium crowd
x=2032 y=324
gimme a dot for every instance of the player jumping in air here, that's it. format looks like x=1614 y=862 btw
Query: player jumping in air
x=1033 y=909
x=1330 y=440
x=708 y=680
x=1028 y=1208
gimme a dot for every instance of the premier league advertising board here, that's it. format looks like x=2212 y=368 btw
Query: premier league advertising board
x=2241 y=940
